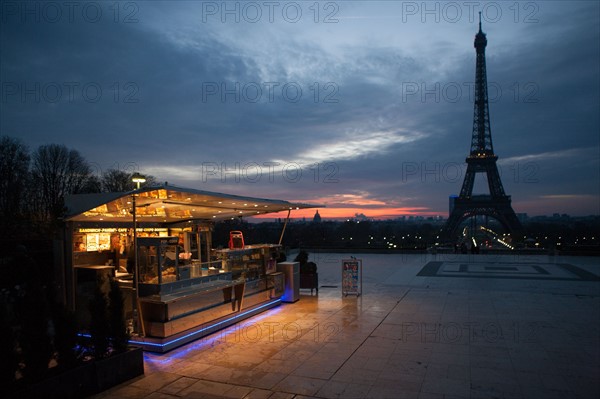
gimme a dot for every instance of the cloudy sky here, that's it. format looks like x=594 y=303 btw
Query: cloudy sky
x=364 y=106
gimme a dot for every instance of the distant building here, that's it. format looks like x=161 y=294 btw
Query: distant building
x=522 y=217
x=317 y=217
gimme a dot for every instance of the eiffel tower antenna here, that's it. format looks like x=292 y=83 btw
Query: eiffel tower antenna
x=482 y=159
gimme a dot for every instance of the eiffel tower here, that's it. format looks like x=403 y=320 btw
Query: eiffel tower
x=482 y=160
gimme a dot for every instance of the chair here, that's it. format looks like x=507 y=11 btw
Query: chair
x=309 y=280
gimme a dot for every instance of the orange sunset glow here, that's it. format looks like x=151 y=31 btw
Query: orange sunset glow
x=340 y=213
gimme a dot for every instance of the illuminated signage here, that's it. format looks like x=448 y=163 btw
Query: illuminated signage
x=121 y=230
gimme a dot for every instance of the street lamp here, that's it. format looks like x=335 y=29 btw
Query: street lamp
x=136 y=178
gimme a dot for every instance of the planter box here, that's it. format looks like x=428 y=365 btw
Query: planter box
x=119 y=368
x=89 y=378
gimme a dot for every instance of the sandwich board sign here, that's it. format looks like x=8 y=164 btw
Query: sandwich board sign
x=351 y=276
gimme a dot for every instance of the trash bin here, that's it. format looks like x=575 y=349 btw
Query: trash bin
x=291 y=278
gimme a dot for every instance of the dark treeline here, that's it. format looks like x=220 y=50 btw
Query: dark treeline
x=542 y=233
x=33 y=186
x=332 y=234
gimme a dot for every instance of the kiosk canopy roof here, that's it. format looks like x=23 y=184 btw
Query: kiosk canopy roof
x=170 y=204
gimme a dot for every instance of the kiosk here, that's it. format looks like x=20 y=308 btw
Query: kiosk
x=177 y=287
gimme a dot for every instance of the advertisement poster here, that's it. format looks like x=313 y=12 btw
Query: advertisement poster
x=351 y=276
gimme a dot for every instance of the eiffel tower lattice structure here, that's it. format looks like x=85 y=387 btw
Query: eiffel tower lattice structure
x=482 y=160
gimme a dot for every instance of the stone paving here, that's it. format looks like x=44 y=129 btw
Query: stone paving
x=426 y=326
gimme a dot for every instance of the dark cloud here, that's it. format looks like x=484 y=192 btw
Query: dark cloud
x=162 y=105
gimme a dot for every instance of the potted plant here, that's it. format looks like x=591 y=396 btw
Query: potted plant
x=109 y=360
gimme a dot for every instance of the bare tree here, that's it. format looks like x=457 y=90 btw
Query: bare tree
x=150 y=181
x=57 y=171
x=92 y=185
x=14 y=174
x=114 y=180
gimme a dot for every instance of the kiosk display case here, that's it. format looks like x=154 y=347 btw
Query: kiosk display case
x=252 y=261
x=176 y=297
x=252 y=264
x=158 y=260
x=194 y=302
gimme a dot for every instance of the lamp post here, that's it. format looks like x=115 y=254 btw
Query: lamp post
x=137 y=179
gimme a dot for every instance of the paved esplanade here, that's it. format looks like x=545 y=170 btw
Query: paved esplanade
x=426 y=326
